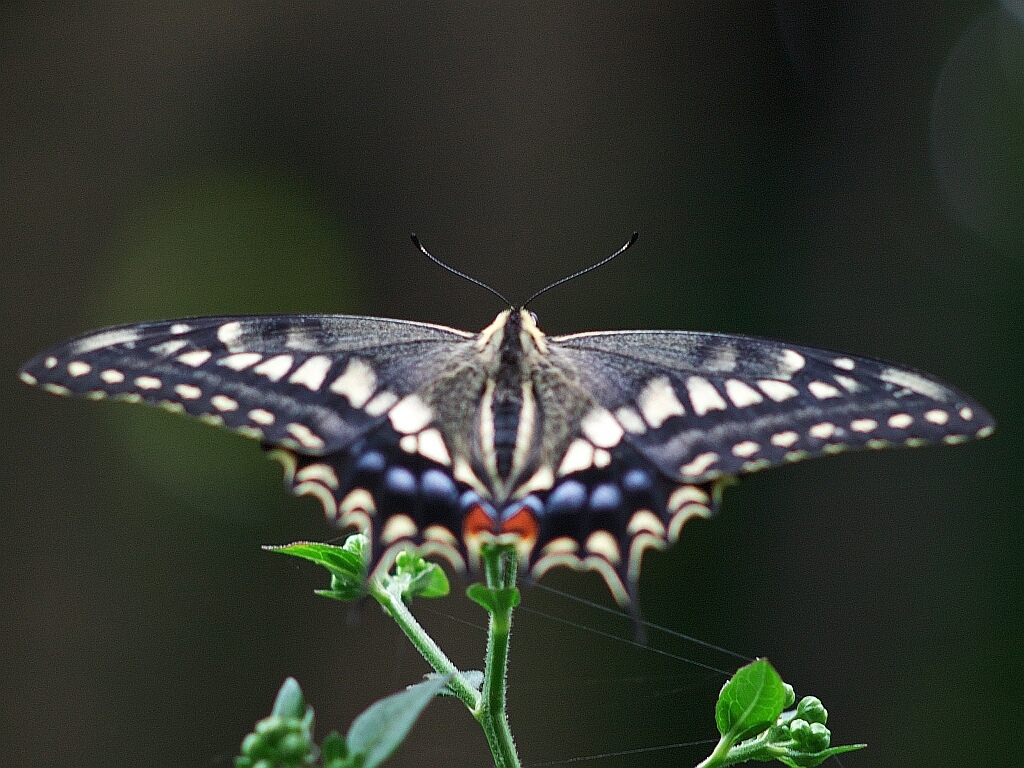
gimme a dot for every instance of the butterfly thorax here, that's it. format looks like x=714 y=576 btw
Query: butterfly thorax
x=503 y=444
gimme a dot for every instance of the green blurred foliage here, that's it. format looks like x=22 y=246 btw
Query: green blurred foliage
x=218 y=244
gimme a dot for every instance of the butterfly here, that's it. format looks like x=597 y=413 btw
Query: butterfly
x=581 y=451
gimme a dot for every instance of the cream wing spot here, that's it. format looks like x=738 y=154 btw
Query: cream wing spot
x=104 y=339
x=822 y=431
x=602 y=458
x=398 y=527
x=578 y=456
x=57 y=389
x=188 y=391
x=863 y=425
x=261 y=416
x=51 y=362
x=685 y=495
x=230 y=334
x=845 y=363
x=778 y=391
x=965 y=413
x=645 y=520
x=601 y=428
x=431 y=446
x=275 y=368
x=937 y=416
x=148 y=382
x=179 y=328
x=195 y=358
x=746 y=449
x=703 y=396
x=785 y=439
x=322 y=473
x=847 y=383
x=630 y=420
x=112 y=376
x=357 y=383
x=307 y=438
x=741 y=393
x=900 y=420
x=311 y=374
x=543 y=480
x=240 y=361
x=409 y=443
x=78 y=368
x=791 y=361
x=603 y=544
x=380 y=403
x=657 y=402
x=560 y=546
x=700 y=464
x=823 y=390
x=915 y=383
x=410 y=415
x=168 y=347
x=224 y=403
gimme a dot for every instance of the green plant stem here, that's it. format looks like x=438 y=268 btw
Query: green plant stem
x=425 y=644
x=500 y=570
x=717 y=757
x=728 y=753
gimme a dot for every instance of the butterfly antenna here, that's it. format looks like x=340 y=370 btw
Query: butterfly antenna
x=433 y=258
x=591 y=268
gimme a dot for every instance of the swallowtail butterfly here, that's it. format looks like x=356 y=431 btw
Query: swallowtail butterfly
x=582 y=450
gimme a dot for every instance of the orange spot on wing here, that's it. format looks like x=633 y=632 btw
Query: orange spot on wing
x=477 y=522
x=523 y=524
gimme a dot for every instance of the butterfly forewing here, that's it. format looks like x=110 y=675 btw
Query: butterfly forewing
x=311 y=382
x=700 y=405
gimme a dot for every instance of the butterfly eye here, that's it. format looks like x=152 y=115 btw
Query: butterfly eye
x=533 y=316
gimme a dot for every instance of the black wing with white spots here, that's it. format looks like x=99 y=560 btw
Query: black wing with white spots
x=314 y=383
x=702 y=405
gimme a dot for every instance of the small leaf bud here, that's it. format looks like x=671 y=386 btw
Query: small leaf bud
x=812 y=710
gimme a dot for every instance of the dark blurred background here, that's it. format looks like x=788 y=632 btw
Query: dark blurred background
x=847 y=178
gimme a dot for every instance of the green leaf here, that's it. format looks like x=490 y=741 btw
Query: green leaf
x=750 y=702
x=290 y=702
x=346 y=564
x=378 y=731
x=418 y=576
x=334 y=751
x=433 y=582
x=337 y=560
x=493 y=600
